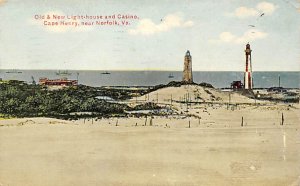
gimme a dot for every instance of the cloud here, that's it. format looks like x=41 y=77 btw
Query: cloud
x=148 y=27
x=226 y=37
x=244 y=12
x=248 y=36
x=58 y=28
x=188 y=24
x=2 y=2
x=265 y=7
x=251 y=35
x=262 y=7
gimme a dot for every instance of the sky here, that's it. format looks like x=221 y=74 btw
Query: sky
x=214 y=31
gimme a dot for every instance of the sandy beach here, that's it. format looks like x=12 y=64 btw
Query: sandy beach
x=214 y=151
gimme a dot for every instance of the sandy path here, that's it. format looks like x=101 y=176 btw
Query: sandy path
x=103 y=154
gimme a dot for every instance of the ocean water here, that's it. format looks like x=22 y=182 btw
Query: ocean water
x=219 y=79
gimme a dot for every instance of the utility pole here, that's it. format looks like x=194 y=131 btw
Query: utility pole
x=242 y=124
x=187 y=106
x=136 y=94
x=229 y=100
x=77 y=77
x=151 y=122
x=180 y=101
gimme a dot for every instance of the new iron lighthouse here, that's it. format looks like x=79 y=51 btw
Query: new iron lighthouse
x=248 y=81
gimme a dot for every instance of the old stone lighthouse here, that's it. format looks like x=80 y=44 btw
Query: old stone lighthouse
x=187 y=69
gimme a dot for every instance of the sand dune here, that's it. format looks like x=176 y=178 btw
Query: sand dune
x=216 y=151
x=194 y=93
x=199 y=144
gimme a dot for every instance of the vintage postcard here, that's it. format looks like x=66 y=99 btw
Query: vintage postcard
x=140 y=93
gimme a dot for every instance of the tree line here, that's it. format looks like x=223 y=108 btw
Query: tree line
x=23 y=100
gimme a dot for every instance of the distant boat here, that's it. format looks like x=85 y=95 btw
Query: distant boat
x=105 y=73
x=63 y=73
x=14 y=72
x=171 y=75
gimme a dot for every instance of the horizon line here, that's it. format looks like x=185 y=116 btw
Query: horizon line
x=163 y=70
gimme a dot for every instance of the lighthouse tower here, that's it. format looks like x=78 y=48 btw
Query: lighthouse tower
x=248 y=81
x=187 y=69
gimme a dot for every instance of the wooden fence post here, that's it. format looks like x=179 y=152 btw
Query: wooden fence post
x=242 y=124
